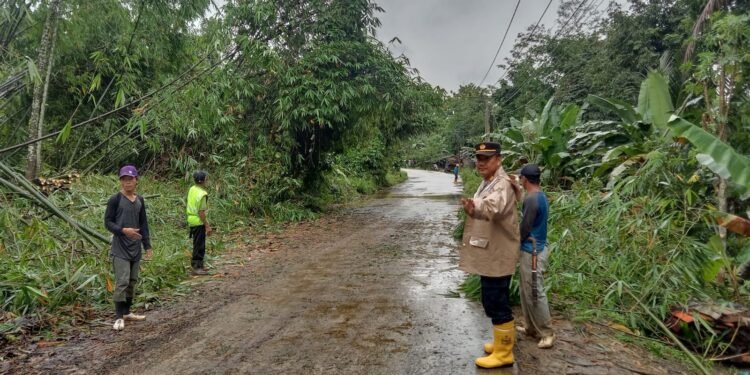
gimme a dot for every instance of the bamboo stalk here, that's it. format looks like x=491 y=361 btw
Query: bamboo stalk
x=97 y=147
x=20 y=191
x=671 y=335
x=87 y=233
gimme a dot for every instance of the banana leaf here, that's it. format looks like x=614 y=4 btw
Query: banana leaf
x=624 y=110
x=719 y=157
x=654 y=101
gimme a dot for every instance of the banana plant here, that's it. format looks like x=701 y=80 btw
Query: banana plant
x=627 y=143
x=716 y=155
x=542 y=138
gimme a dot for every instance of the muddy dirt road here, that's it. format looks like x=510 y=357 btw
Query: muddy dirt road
x=370 y=291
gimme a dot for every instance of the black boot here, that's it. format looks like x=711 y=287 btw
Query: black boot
x=128 y=304
x=121 y=309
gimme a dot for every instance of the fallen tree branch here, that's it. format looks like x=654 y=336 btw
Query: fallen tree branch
x=90 y=235
x=671 y=335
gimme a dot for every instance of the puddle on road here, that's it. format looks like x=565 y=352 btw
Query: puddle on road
x=389 y=194
x=448 y=330
x=426 y=184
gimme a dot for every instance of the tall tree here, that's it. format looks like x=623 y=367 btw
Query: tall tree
x=44 y=64
x=721 y=76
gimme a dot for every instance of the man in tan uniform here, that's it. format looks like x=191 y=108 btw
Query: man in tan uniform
x=490 y=249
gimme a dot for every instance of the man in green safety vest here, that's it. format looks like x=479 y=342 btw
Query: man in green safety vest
x=197 y=205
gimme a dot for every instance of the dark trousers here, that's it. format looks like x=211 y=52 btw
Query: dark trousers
x=126 y=277
x=495 y=299
x=198 y=234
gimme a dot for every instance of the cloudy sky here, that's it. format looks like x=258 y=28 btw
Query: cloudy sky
x=452 y=42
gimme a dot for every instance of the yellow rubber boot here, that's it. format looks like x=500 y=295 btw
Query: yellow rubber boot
x=489 y=347
x=502 y=347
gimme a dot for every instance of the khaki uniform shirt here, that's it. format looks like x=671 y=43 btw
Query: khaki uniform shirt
x=491 y=237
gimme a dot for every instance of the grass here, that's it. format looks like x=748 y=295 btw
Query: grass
x=395 y=177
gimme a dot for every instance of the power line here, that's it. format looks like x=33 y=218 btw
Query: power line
x=501 y=42
x=557 y=34
x=129 y=104
x=533 y=30
x=509 y=96
x=596 y=9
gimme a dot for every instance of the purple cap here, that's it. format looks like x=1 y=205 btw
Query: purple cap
x=128 y=170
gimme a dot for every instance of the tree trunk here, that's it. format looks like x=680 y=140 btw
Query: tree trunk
x=721 y=133
x=44 y=102
x=44 y=62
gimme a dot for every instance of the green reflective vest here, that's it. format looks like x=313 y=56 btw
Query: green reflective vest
x=194 y=198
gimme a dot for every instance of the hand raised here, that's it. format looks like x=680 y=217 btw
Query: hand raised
x=468 y=206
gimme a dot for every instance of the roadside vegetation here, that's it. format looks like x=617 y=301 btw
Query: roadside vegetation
x=288 y=116
x=642 y=132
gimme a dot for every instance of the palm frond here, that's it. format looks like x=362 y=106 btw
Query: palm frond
x=711 y=7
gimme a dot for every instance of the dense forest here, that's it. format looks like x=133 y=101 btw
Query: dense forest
x=638 y=112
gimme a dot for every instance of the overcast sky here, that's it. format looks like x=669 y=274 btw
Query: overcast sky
x=452 y=42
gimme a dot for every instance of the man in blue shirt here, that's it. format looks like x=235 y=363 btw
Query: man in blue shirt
x=534 y=225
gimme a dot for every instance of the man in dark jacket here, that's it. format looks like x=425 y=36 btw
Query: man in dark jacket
x=126 y=218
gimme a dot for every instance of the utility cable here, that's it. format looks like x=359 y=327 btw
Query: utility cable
x=541 y=93
x=533 y=30
x=501 y=42
x=129 y=104
x=510 y=95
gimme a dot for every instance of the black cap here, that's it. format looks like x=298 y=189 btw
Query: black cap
x=487 y=148
x=199 y=176
x=530 y=170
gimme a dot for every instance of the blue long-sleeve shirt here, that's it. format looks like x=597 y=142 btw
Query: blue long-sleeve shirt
x=534 y=221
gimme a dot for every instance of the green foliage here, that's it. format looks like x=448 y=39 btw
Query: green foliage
x=719 y=157
x=471 y=180
x=424 y=149
x=644 y=242
x=542 y=139
x=602 y=53
x=395 y=177
x=655 y=101
x=46 y=269
x=290 y=105
x=625 y=241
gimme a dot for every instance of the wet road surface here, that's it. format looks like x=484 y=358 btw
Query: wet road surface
x=376 y=300
x=369 y=292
